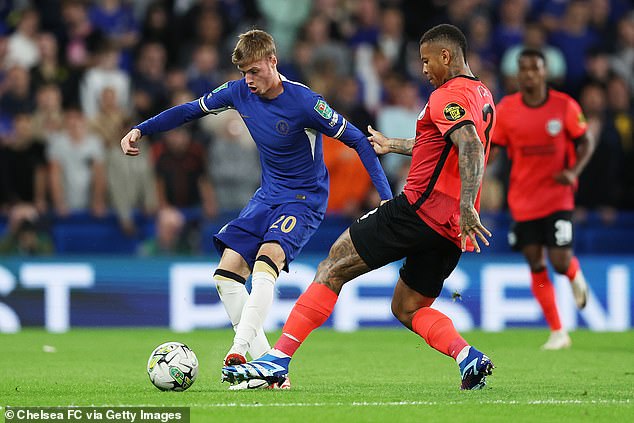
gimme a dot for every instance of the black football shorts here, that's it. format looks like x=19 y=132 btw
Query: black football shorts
x=554 y=231
x=394 y=231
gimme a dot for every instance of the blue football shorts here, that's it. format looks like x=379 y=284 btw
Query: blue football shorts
x=290 y=225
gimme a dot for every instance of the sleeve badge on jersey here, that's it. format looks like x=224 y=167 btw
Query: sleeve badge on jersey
x=581 y=119
x=222 y=87
x=454 y=111
x=323 y=109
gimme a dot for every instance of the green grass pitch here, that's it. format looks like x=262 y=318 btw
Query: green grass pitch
x=370 y=375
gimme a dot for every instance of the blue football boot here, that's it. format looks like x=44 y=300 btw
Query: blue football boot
x=474 y=369
x=269 y=367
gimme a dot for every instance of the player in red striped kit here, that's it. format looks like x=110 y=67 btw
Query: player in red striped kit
x=544 y=132
x=429 y=224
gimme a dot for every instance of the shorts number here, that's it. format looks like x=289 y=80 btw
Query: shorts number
x=563 y=232
x=285 y=223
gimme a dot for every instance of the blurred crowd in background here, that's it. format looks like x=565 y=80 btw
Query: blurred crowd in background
x=75 y=75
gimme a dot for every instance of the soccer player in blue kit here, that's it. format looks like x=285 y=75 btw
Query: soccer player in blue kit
x=286 y=120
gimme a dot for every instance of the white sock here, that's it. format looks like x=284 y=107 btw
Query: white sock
x=464 y=352
x=234 y=296
x=254 y=312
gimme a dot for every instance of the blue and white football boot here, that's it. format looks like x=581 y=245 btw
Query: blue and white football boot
x=474 y=369
x=269 y=367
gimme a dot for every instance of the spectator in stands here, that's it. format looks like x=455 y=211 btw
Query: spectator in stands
x=284 y=19
x=181 y=172
x=17 y=96
x=22 y=167
x=347 y=100
x=150 y=94
x=77 y=173
x=130 y=182
x=392 y=41
x=366 y=20
x=604 y=163
x=396 y=120
x=25 y=233
x=170 y=236
x=50 y=70
x=22 y=48
x=48 y=116
x=117 y=23
x=79 y=34
x=509 y=32
x=324 y=51
x=621 y=116
x=481 y=39
x=623 y=60
x=574 y=38
x=159 y=26
x=534 y=38
x=234 y=161
x=203 y=71
x=105 y=73
x=598 y=68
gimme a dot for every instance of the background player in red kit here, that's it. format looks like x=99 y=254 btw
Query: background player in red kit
x=544 y=132
x=429 y=224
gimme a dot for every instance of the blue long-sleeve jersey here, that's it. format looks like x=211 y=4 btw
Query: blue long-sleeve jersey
x=287 y=131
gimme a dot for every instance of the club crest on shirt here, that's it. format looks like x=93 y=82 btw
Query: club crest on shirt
x=553 y=127
x=323 y=109
x=282 y=127
x=454 y=111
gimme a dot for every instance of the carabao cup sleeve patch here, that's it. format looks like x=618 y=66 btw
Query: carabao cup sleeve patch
x=454 y=112
x=323 y=109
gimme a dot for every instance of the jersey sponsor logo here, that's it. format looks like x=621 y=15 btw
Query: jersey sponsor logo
x=454 y=111
x=282 y=127
x=553 y=127
x=323 y=109
x=222 y=87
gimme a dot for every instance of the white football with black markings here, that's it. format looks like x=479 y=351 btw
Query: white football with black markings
x=172 y=366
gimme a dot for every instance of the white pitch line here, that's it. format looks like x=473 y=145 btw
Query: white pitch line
x=379 y=403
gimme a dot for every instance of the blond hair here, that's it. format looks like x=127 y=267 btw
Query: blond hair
x=252 y=46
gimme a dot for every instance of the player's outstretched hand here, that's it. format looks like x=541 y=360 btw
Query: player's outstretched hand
x=472 y=228
x=128 y=143
x=378 y=141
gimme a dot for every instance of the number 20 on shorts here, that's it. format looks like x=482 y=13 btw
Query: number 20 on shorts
x=285 y=223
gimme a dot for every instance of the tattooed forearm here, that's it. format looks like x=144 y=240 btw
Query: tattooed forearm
x=471 y=163
x=401 y=145
x=342 y=265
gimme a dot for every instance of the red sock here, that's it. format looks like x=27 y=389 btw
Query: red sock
x=544 y=292
x=311 y=310
x=438 y=331
x=573 y=268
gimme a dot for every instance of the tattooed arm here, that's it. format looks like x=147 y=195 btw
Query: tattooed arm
x=384 y=145
x=471 y=164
